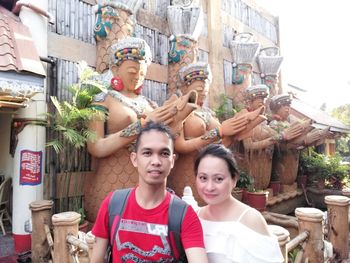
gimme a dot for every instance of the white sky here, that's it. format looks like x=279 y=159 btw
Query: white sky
x=315 y=44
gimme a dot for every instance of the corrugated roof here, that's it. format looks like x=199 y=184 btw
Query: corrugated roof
x=321 y=118
x=17 y=50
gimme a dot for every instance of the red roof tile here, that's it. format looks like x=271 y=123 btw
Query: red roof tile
x=17 y=50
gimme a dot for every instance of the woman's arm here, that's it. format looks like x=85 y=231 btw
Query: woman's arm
x=255 y=221
x=196 y=254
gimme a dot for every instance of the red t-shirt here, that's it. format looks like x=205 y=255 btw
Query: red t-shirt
x=143 y=233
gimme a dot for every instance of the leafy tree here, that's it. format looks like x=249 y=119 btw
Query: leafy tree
x=342 y=113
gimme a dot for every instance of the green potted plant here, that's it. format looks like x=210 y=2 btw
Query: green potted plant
x=314 y=165
x=243 y=183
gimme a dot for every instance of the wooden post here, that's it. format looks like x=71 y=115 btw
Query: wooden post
x=282 y=235
x=310 y=219
x=215 y=43
x=41 y=214
x=64 y=223
x=346 y=192
x=338 y=233
x=90 y=240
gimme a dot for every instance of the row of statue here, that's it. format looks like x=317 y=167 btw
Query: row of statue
x=260 y=144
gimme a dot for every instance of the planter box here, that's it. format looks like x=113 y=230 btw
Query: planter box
x=316 y=196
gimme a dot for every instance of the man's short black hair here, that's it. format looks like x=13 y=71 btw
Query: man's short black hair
x=154 y=126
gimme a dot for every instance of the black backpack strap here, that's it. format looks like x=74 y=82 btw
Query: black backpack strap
x=177 y=211
x=116 y=207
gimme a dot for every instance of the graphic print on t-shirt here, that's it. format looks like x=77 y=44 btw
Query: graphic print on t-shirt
x=151 y=236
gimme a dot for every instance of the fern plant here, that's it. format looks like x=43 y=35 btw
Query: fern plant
x=71 y=118
x=70 y=122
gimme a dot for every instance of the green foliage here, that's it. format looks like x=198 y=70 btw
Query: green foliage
x=313 y=164
x=245 y=181
x=337 y=172
x=342 y=113
x=225 y=110
x=292 y=255
x=71 y=118
x=82 y=213
x=319 y=166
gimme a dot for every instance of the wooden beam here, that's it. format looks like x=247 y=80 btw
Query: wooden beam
x=71 y=49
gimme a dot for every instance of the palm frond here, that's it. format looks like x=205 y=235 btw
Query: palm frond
x=56 y=145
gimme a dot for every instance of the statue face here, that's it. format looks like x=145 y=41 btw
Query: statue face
x=283 y=112
x=132 y=73
x=256 y=103
x=202 y=88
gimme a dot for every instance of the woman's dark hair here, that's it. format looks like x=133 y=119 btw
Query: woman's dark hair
x=219 y=151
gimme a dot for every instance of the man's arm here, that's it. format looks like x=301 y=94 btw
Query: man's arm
x=99 y=250
x=196 y=254
x=192 y=237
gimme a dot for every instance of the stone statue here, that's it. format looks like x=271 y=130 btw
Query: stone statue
x=201 y=127
x=185 y=25
x=269 y=61
x=244 y=51
x=126 y=111
x=286 y=156
x=114 y=21
x=259 y=147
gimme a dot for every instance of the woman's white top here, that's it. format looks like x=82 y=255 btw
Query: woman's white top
x=232 y=242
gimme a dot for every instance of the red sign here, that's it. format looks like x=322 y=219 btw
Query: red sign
x=30 y=170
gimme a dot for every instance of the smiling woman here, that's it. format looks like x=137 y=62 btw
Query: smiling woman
x=233 y=231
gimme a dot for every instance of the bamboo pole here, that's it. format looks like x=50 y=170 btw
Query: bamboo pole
x=71 y=239
x=49 y=238
x=90 y=240
x=297 y=240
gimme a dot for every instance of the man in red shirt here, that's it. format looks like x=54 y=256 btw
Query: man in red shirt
x=142 y=235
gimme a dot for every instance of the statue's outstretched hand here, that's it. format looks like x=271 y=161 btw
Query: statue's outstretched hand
x=234 y=125
x=316 y=135
x=175 y=110
x=254 y=118
x=292 y=132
